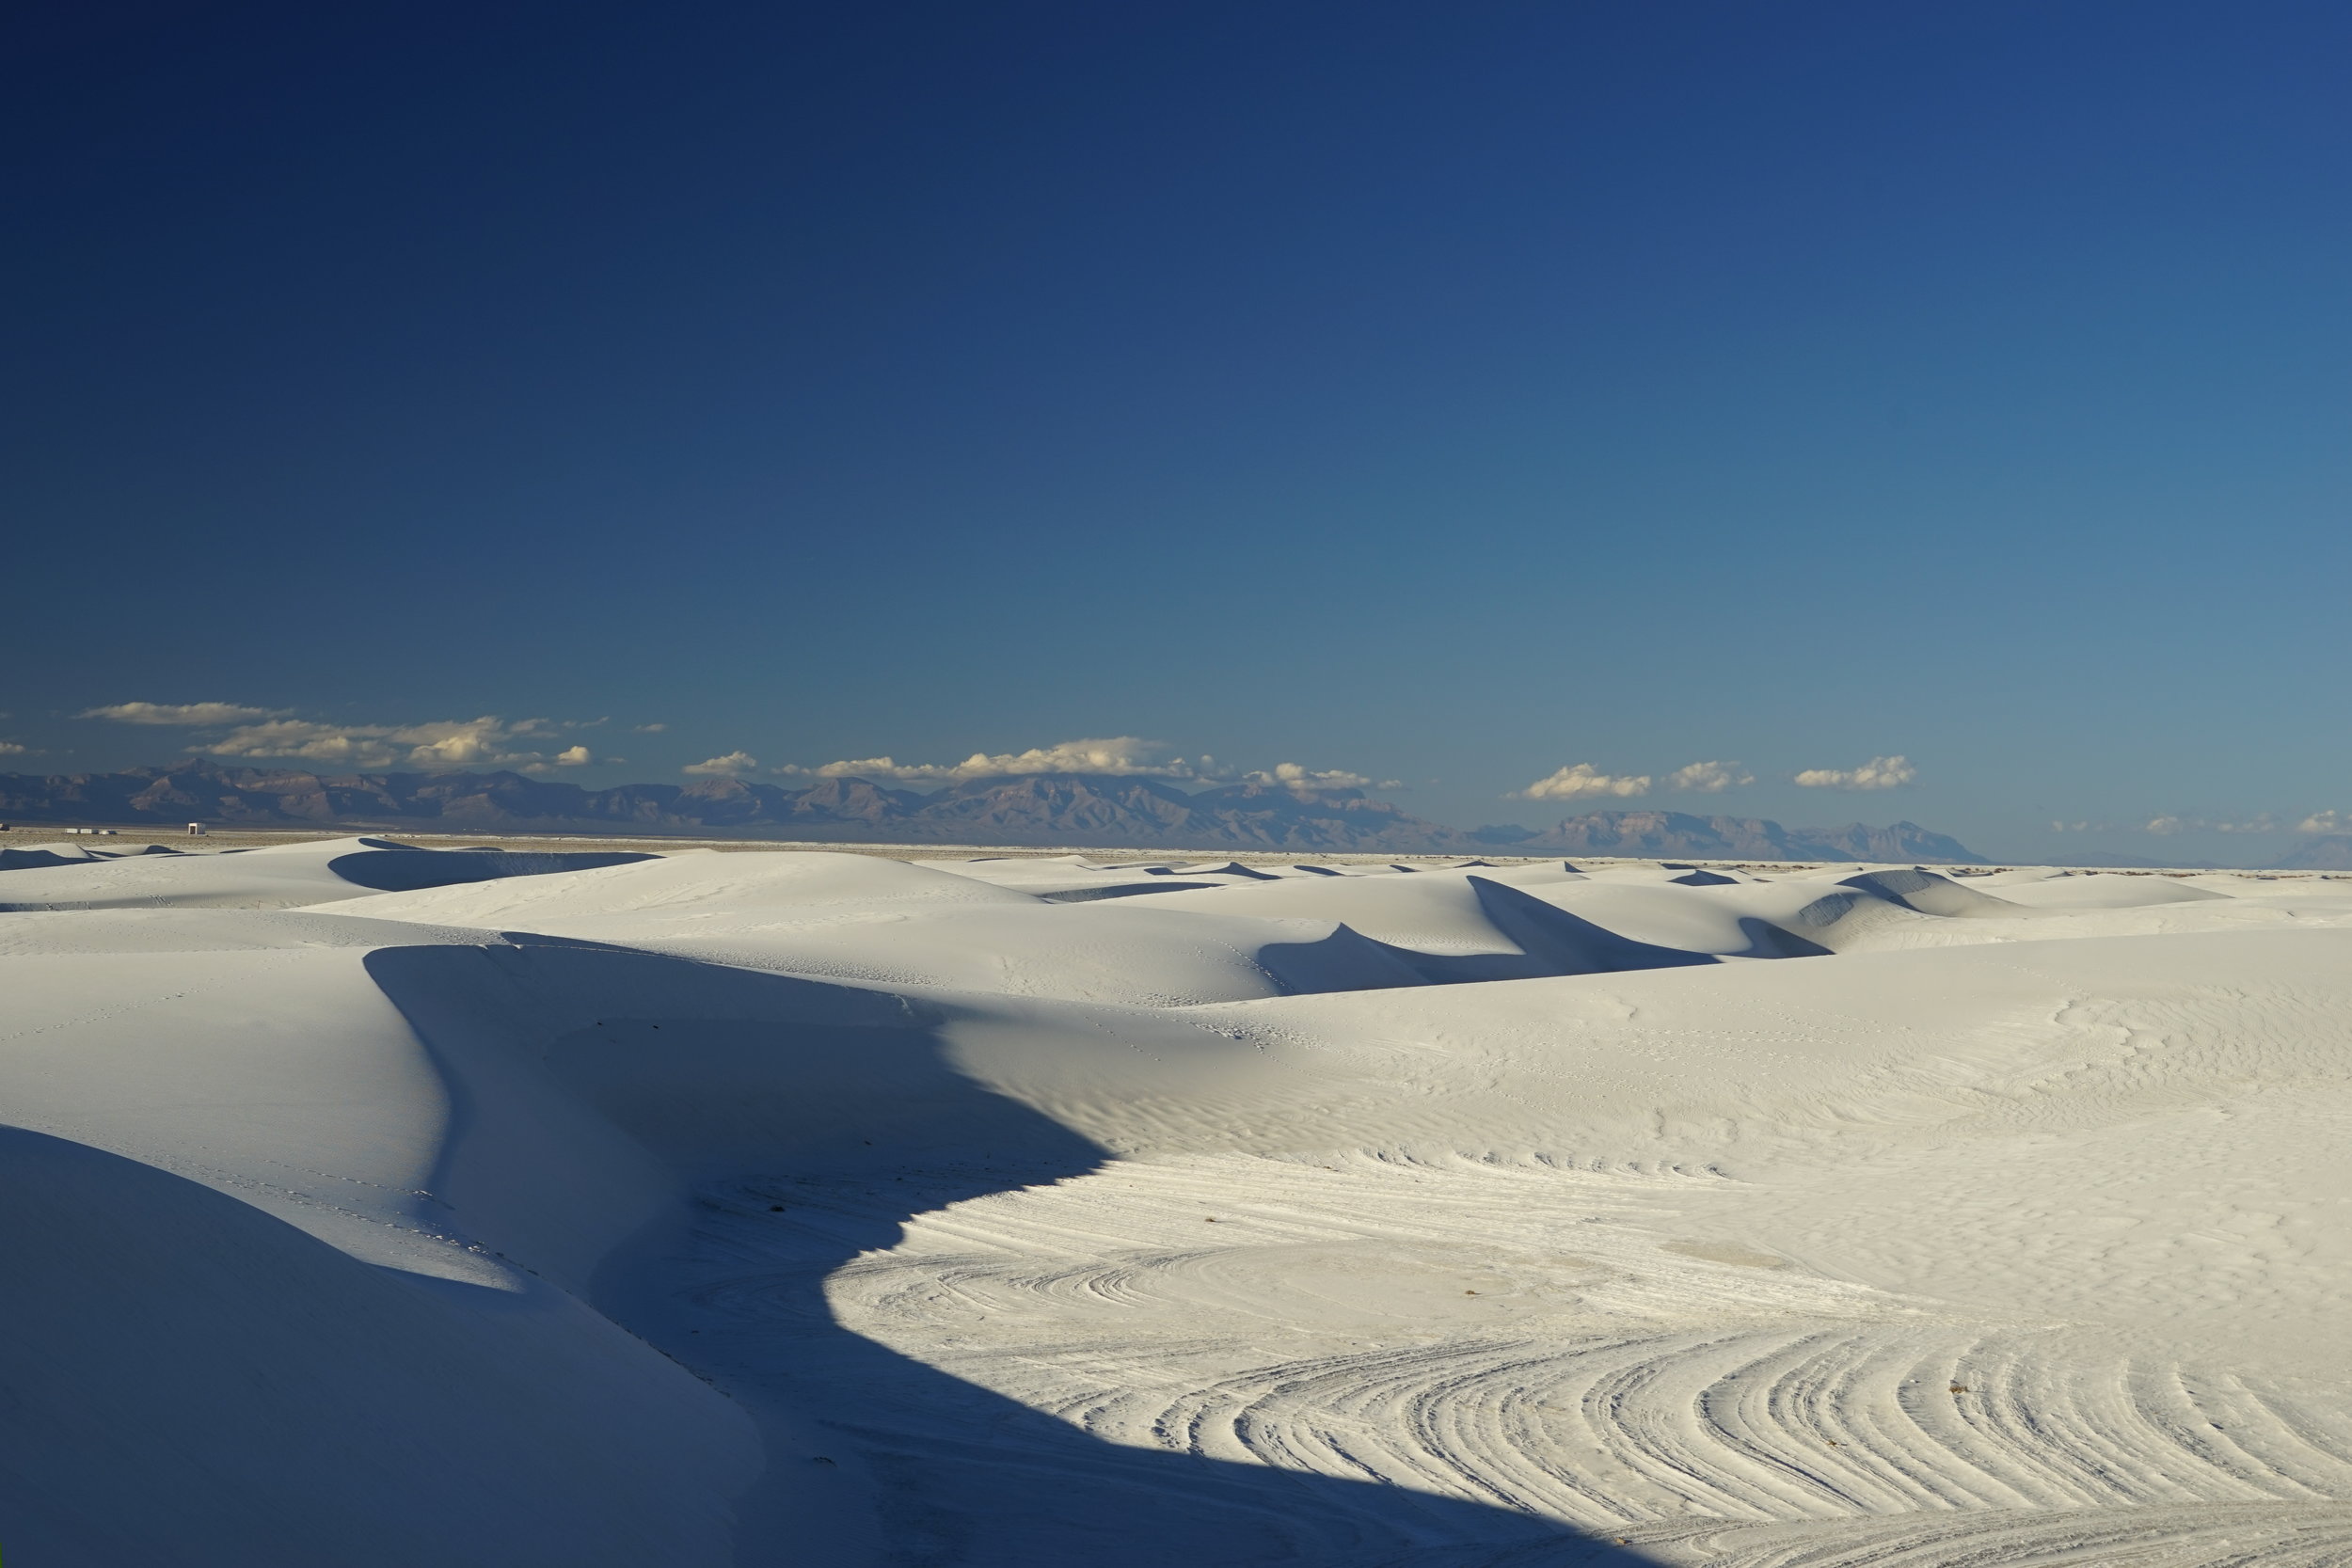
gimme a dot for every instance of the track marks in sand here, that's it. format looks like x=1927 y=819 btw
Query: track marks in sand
x=1557 y=1343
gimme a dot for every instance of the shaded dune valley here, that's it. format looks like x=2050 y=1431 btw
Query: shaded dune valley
x=371 y=1205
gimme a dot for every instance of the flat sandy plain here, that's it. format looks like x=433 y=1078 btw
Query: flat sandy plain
x=23 y=836
x=891 y=1206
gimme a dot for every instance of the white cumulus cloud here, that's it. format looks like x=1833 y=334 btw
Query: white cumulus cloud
x=573 y=756
x=1301 y=778
x=1709 y=778
x=10 y=749
x=187 y=715
x=872 y=768
x=1877 y=773
x=724 y=766
x=1582 y=780
x=2328 y=821
x=1122 y=755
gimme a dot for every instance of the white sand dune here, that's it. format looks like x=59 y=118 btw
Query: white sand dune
x=67 y=852
x=280 y=877
x=822 y=1208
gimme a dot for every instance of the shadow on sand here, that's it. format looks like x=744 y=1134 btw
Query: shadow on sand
x=834 y=1115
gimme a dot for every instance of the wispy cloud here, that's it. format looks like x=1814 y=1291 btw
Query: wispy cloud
x=10 y=749
x=1581 y=780
x=1709 y=778
x=1877 y=773
x=184 y=714
x=726 y=766
x=651 y=729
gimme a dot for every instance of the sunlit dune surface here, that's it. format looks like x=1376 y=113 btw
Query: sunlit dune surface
x=375 y=1205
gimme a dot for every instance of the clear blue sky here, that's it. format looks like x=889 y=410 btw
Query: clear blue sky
x=1449 y=393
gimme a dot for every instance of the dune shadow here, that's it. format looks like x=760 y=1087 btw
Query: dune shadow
x=1551 y=942
x=407 y=870
x=1768 y=941
x=1917 y=888
x=1578 y=946
x=805 y=1123
x=1121 y=890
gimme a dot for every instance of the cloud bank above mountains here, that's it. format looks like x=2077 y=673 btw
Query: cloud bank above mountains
x=729 y=766
x=187 y=715
x=1877 y=773
x=1709 y=778
x=1115 y=757
x=1124 y=756
x=1583 y=781
x=528 y=745
x=541 y=746
x=488 y=741
x=1298 y=777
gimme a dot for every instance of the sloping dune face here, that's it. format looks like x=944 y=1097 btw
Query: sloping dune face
x=373 y=1205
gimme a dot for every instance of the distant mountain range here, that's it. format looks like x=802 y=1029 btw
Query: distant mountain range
x=1040 y=810
x=2321 y=852
x=1673 y=834
x=1050 y=809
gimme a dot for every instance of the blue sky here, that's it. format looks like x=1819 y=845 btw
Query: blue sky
x=1445 y=394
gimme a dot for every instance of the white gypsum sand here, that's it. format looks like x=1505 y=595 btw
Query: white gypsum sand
x=830 y=1208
